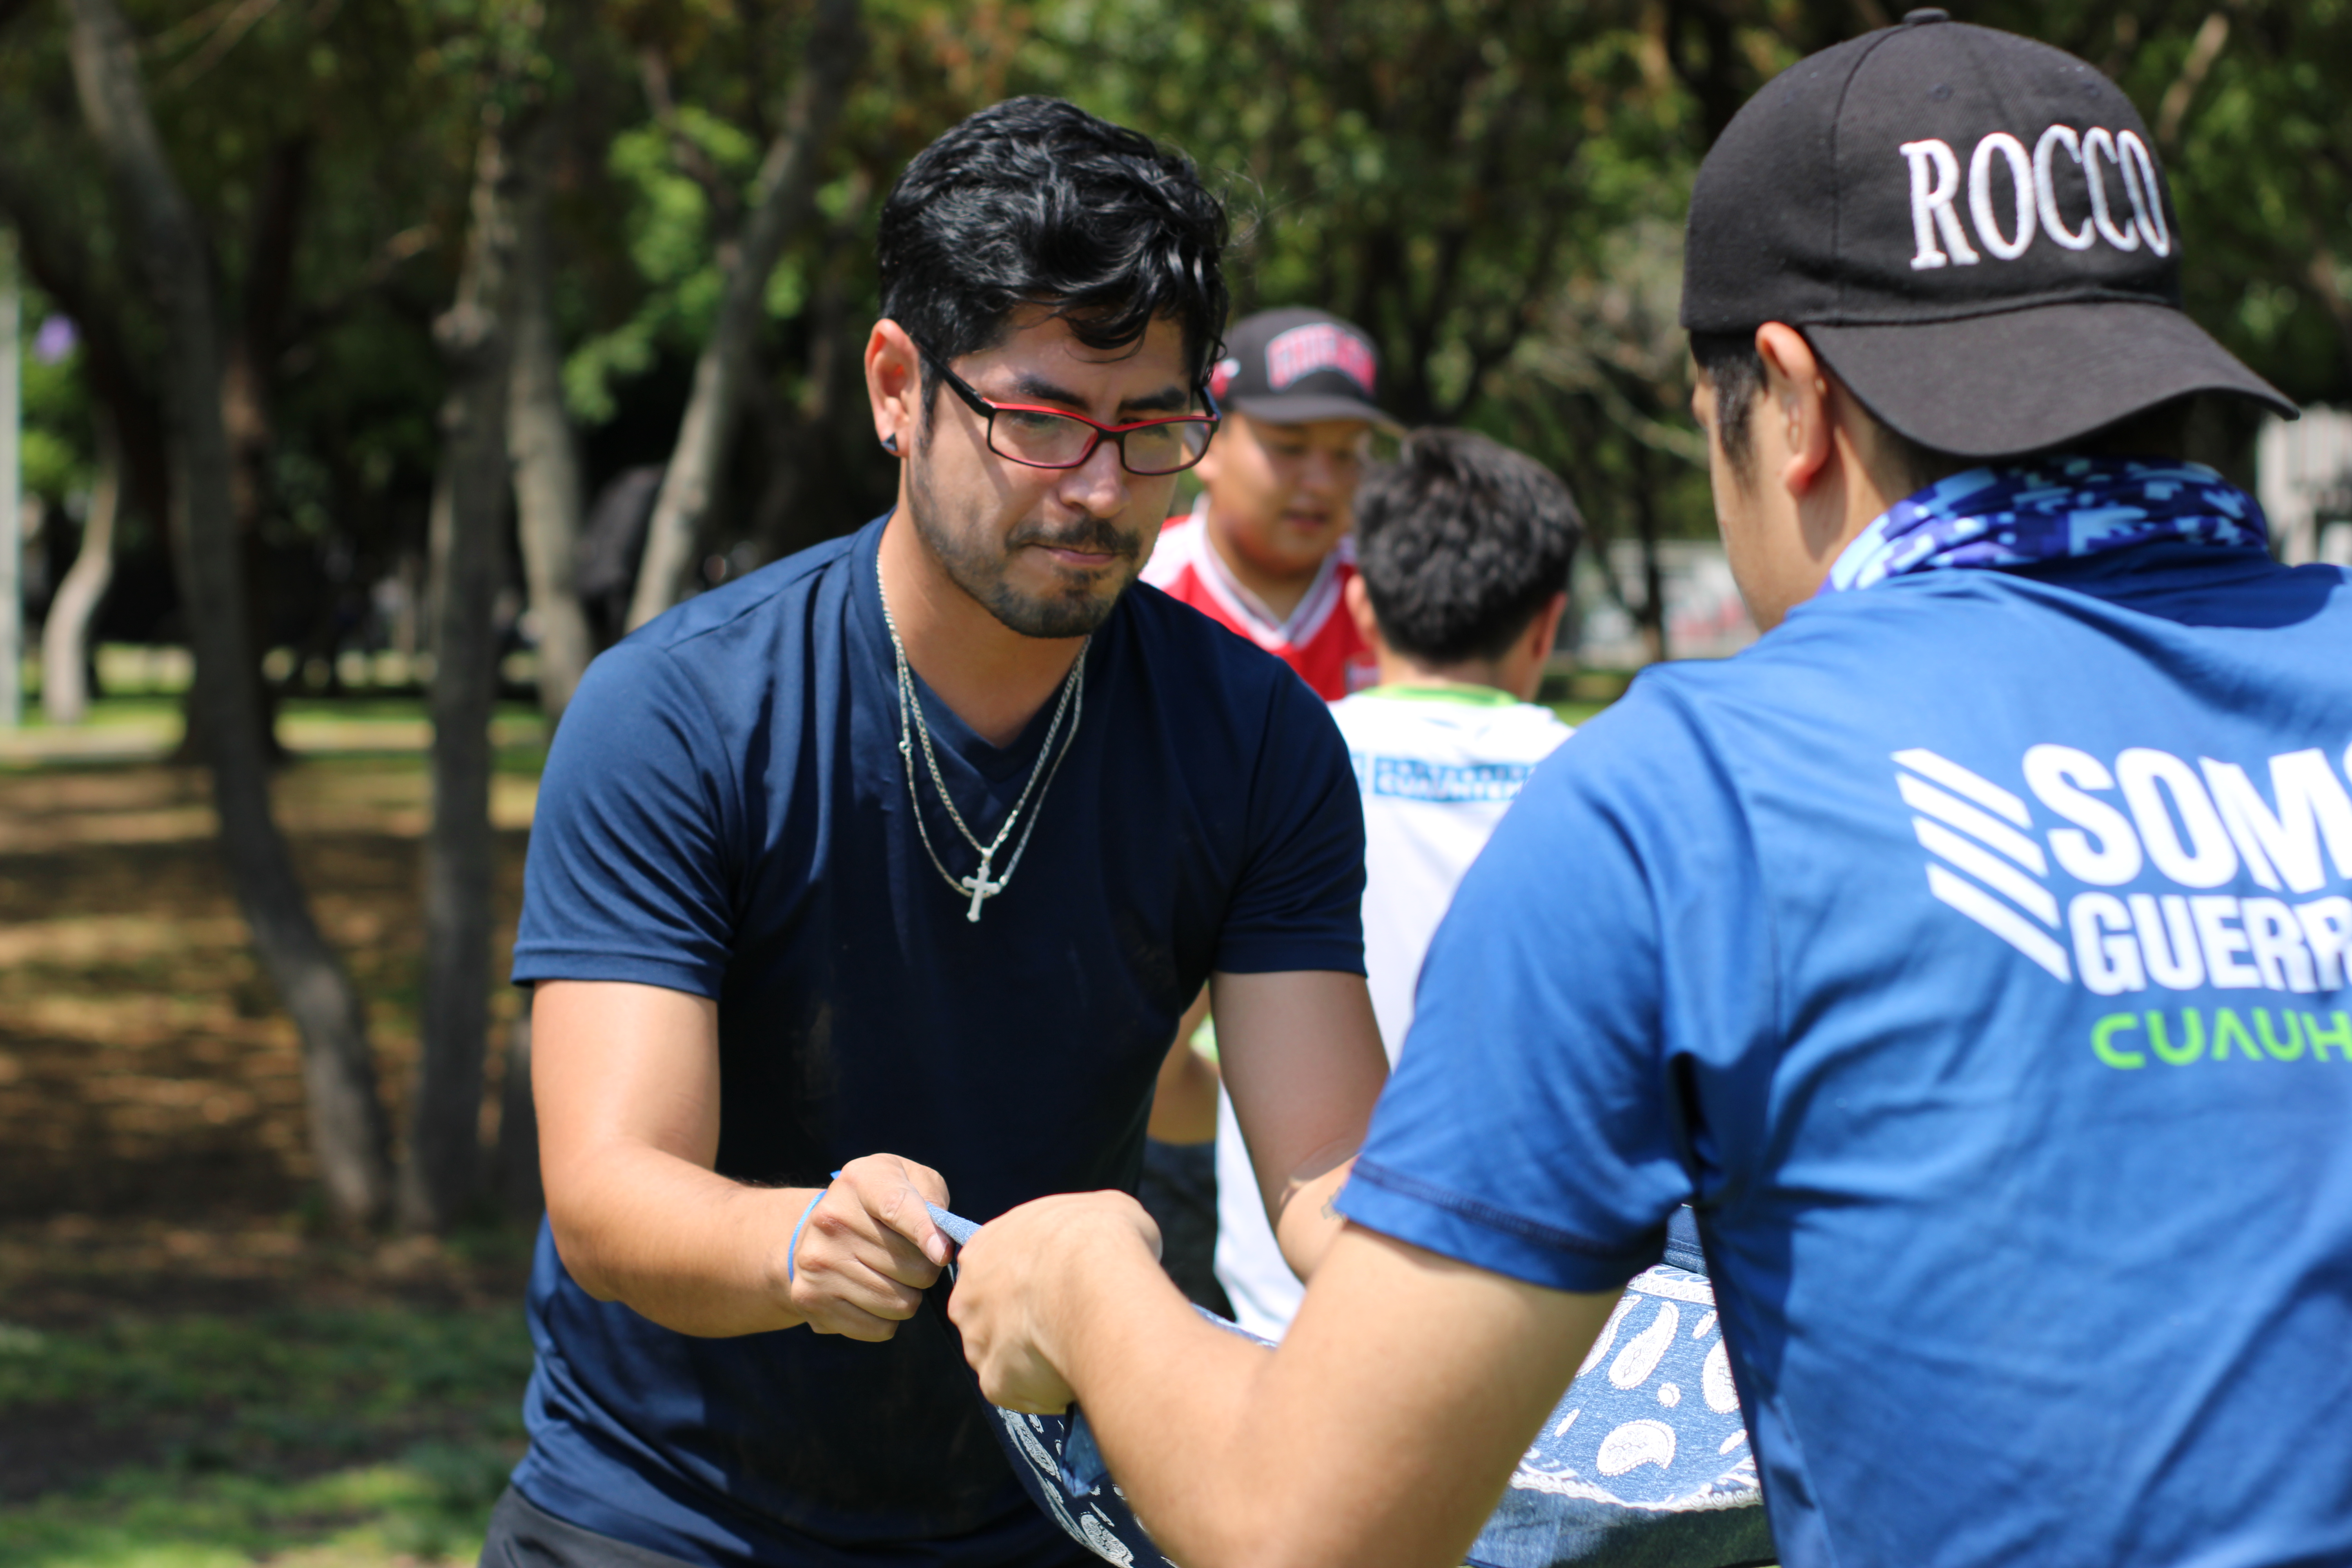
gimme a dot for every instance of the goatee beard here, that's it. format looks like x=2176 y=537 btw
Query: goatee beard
x=1072 y=617
x=980 y=570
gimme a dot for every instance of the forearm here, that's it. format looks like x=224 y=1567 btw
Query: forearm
x=1301 y=1053
x=1309 y=1220
x=1184 y=1105
x=626 y=1086
x=1369 y=1440
x=1378 y=1435
x=1168 y=1398
x=690 y=1249
x=1184 y=1101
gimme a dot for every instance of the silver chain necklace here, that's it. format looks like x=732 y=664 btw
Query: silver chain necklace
x=914 y=728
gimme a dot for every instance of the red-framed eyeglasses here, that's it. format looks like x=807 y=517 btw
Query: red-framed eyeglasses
x=1041 y=437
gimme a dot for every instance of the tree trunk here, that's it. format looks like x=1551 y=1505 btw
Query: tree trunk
x=248 y=378
x=442 y=1177
x=546 y=464
x=347 y=1127
x=799 y=440
x=248 y=385
x=787 y=194
x=65 y=637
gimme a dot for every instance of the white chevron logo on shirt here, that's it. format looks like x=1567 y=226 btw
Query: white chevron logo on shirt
x=1986 y=866
x=2083 y=893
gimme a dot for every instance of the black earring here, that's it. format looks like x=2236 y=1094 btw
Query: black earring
x=890 y=445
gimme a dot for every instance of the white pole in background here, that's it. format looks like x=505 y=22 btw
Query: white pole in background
x=12 y=515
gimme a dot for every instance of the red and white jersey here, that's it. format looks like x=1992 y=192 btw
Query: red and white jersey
x=1318 y=640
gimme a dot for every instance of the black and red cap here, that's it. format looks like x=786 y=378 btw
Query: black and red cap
x=1972 y=228
x=1295 y=366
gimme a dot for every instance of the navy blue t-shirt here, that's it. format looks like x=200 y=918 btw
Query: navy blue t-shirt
x=1971 y=952
x=725 y=813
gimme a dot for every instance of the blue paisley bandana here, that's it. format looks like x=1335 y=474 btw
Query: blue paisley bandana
x=2066 y=507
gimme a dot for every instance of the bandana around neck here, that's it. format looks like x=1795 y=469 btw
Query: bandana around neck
x=2066 y=507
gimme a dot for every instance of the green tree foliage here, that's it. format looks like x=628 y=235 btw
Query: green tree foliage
x=319 y=148
x=1492 y=188
x=56 y=437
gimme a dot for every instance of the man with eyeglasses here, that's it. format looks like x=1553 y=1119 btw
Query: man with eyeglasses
x=880 y=877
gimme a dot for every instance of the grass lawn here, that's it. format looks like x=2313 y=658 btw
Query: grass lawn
x=302 y=1434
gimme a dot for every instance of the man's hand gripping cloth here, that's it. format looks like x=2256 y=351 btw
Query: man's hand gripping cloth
x=1643 y=1464
x=2051 y=510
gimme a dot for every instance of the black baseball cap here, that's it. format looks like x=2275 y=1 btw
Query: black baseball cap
x=1970 y=228
x=1295 y=366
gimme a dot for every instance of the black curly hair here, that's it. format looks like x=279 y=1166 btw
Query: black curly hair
x=1460 y=541
x=1034 y=201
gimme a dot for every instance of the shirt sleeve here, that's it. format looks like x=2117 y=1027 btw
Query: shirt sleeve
x=1603 y=950
x=1300 y=903
x=628 y=877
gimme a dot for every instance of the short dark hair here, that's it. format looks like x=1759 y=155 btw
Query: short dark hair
x=1729 y=362
x=1736 y=371
x=1460 y=541
x=1036 y=202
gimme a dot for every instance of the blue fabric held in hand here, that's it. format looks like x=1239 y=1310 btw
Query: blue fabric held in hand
x=1643 y=1464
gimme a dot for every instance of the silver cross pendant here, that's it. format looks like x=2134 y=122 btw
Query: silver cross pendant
x=981 y=889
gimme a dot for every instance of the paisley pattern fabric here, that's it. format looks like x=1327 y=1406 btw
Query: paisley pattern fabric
x=2066 y=507
x=1645 y=1463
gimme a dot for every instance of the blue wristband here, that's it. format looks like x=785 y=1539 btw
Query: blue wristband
x=793 y=1248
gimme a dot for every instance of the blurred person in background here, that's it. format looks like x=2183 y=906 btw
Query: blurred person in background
x=1267 y=552
x=1463 y=550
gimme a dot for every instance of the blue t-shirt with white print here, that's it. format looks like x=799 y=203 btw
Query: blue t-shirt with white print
x=1972 y=952
x=726 y=812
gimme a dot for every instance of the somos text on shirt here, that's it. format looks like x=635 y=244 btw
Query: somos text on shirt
x=2151 y=840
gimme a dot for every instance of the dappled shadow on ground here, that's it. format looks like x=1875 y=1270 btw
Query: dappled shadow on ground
x=194 y=1364
x=144 y=1065
x=70 y=1271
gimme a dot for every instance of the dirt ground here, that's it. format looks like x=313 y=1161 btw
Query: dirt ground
x=146 y=1069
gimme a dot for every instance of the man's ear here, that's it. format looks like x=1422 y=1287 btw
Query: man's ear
x=894 y=385
x=1543 y=632
x=1793 y=416
x=1359 y=610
